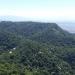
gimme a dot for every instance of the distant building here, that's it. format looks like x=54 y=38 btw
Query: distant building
x=10 y=52
x=14 y=48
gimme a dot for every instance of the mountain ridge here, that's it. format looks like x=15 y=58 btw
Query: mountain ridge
x=23 y=53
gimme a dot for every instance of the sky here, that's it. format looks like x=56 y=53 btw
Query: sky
x=39 y=10
x=42 y=10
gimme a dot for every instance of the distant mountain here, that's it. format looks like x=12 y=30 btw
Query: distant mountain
x=34 y=48
x=42 y=32
x=68 y=26
x=13 y=18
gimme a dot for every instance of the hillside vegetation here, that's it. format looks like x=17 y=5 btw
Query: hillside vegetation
x=33 y=48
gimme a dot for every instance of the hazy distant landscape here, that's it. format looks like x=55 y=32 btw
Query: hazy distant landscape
x=69 y=26
x=37 y=37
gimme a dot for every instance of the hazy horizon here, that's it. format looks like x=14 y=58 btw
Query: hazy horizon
x=68 y=26
x=59 y=11
x=46 y=10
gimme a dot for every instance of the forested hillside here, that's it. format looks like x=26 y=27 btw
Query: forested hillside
x=33 y=48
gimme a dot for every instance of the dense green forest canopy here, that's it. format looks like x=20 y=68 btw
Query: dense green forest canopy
x=34 y=48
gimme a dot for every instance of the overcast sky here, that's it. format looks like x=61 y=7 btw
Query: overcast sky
x=54 y=10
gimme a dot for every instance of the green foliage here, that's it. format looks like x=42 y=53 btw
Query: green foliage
x=31 y=48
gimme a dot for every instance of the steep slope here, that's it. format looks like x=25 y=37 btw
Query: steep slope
x=55 y=36
x=7 y=41
x=33 y=48
x=42 y=32
x=33 y=57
